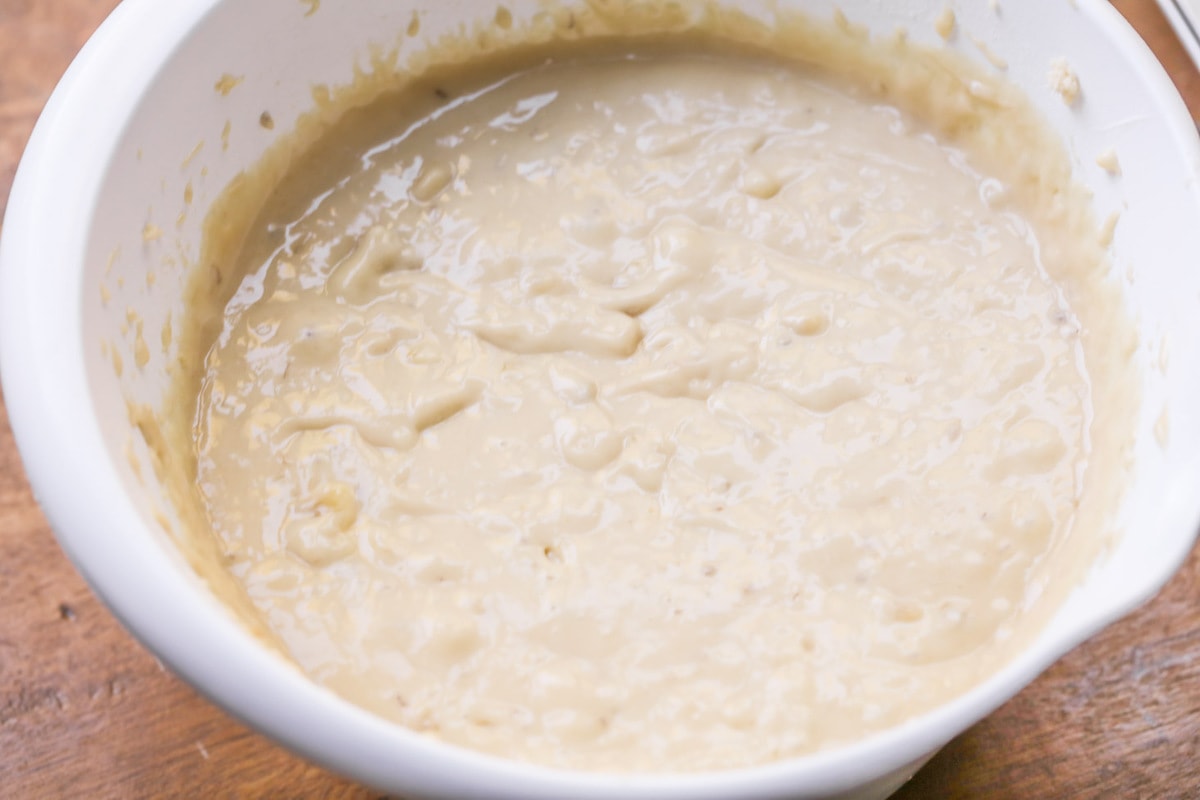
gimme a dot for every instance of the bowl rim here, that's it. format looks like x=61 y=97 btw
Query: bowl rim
x=42 y=367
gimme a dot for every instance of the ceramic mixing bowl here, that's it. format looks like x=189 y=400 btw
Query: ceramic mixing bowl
x=99 y=237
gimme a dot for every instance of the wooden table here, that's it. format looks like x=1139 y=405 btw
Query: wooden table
x=85 y=712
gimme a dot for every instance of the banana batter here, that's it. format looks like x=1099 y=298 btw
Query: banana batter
x=656 y=407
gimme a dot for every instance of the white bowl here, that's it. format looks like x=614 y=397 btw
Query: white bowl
x=119 y=142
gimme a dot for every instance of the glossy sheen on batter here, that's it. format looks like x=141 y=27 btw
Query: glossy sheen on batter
x=652 y=411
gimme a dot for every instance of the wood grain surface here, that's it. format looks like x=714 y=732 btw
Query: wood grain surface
x=86 y=712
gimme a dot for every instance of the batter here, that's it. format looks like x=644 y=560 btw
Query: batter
x=653 y=408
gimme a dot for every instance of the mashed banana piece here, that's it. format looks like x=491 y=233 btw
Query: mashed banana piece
x=658 y=409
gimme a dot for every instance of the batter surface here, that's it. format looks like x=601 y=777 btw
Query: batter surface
x=650 y=410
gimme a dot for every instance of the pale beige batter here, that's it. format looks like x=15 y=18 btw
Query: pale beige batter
x=649 y=410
